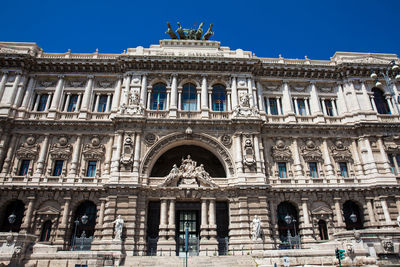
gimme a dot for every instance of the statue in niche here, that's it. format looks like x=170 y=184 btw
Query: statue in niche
x=119 y=226
x=249 y=159
x=244 y=109
x=127 y=155
x=188 y=175
x=134 y=107
x=256 y=228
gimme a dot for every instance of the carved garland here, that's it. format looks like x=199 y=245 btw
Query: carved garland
x=224 y=154
x=281 y=152
x=311 y=152
x=340 y=152
x=29 y=149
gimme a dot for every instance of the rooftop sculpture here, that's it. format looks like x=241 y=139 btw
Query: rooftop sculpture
x=190 y=34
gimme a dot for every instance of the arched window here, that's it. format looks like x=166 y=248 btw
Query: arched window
x=219 y=98
x=323 y=230
x=352 y=215
x=189 y=97
x=284 y=209
x=158 y=97
x=380 y=101
x=15 y=209
x=46 y=230
x=87 y=208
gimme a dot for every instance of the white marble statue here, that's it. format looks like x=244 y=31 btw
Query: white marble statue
x=256 y=228
x=119 y=226
x=398 y=220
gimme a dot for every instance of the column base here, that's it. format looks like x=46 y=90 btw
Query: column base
x=166 y=247
x=172 y=113
x=208 y=247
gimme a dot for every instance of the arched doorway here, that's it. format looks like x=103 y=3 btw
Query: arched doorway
x=353 y=216
x=287 y=209
x=84 y=222
x=211 y=163
x=12 y=216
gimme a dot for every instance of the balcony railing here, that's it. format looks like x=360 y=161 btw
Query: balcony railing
x=388 y=118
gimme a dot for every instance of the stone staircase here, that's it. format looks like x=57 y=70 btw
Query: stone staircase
x=197 y=261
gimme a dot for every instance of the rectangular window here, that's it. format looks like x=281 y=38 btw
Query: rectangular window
x=273 y=105
x=343 y=169
x=102 y=103
x=91 y=169
x=58 y=166
x=282 y=169
x=329 y=108
x=313 y=169
x=42 y=102
x=73 y=100
x=301 y=105
x=24 y=167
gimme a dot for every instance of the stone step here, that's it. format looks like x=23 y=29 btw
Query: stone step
x=196 y=261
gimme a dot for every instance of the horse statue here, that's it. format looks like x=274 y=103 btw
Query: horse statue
x=171 y=32
x=181 y=32
x=199 y=31
x=208 y=33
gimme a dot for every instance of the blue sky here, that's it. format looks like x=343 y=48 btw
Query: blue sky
x=295 y=29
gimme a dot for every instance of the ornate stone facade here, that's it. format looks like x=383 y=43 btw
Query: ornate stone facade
x=310 y=148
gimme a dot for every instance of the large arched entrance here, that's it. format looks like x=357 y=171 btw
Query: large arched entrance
x=211 y=163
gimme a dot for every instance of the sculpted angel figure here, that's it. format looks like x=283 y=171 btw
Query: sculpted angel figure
x=119 y=225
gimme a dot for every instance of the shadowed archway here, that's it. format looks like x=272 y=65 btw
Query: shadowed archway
x=211 y=163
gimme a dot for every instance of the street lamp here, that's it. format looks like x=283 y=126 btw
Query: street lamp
x=390 y=74
x=353 y=217
x=11 y=220
x=74 y=239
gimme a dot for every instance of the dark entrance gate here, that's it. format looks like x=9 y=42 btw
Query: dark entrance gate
x=187 y=215
x=222 y=227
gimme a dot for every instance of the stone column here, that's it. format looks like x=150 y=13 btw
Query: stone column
x=10 y=155
x=20 y=92
x=257 y=153
x=75 y=156
x=355 y=102
x=28 y=92
x=62 y=228
x=307 y=227
x=314 y=100
x=57 y=96
x=108 y=156
x=367 y=100
x=127 y=87
x=212 y=226
x=209 y=245
x=117 y=148
x=357 y=162
x=136 y=156
x=234 y=93
x=204 y=98
x=108 y=108
x=390 y=105
x=99 y=226
x=143 y=91
x=26 y=225
x=49 y=100
x=229 y=102
x=327 y=159
x=86 y=98
x=261 y=103
x=250 y=92
x=298 y=171
x=42 y=156
x=287 y=104
x=66 y=102
x=163 y=220
x=274 y=222
x=204 y=223
x=78 y=103
x=323 y=106
x=341 y=100
x=171 y=219
x=398 y=204
x=3 y=147
x=308 y=113
x=238 y=153
x=296 y=106
x=338 y=212
x=370 y=209
x=198 y=104
x=3 y=82
x=96 y=103
x=386 y=213
x=368 y=158
x=14 y=89
x=174 y=93
x=117 y=95
x=386 y=163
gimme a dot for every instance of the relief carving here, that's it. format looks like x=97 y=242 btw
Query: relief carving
x=248 y=157
x=311 y=152
x=61 y=149
x=94 y=150
x=244 y=109
x=150 y=139
x=281 y=152
x=188 y=175
x=29 y=149
x=134 y=107
x=340 y=152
